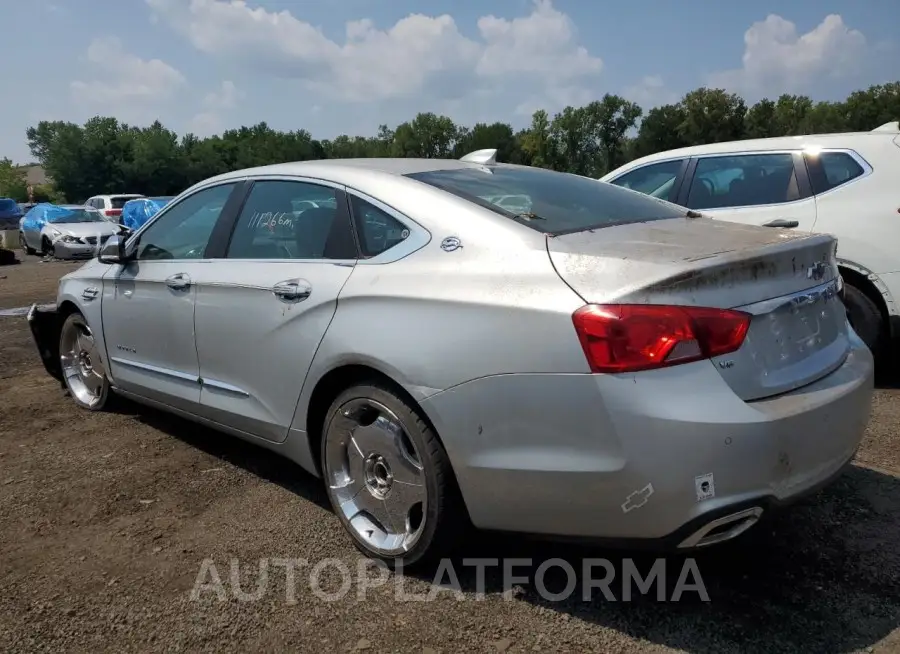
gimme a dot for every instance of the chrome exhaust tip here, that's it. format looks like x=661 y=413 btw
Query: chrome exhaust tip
x=723 y=529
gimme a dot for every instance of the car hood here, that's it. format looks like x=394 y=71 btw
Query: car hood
x=81 y=230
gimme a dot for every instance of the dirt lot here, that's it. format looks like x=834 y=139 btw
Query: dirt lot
x=105 y=521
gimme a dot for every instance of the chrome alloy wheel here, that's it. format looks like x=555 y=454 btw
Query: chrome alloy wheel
x=375 y=477
x=81 y=365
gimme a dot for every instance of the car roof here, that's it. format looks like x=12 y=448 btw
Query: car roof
x=801 y=142
x=117 y=195
x=336 y=169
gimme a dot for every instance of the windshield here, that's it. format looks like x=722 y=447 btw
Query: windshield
x=7 y=204
x=548 y=201
x=76 y=216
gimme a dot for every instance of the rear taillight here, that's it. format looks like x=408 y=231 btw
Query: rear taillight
x=113 y=212
x=632 y=337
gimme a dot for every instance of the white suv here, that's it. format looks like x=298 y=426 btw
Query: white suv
x=110 y=206
x=845 y=184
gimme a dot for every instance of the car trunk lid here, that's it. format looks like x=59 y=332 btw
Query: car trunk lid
x=787 y=281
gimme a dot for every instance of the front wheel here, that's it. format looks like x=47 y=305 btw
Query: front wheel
x=866 y=319
x=83 y=370
x=388 y=478
x=27 y=249
x=47 y=248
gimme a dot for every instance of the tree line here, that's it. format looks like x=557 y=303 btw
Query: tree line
x=107 y=156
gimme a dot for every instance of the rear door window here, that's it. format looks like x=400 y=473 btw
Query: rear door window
x=743 y=180
x=291 y=220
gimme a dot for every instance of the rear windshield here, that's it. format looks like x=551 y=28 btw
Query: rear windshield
x=118 y=201
x=548 y=201
x=8 y=205
x=76 y=216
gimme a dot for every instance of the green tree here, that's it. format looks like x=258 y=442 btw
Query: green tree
x=610 y=119
x=107 y=156
x=12 y=181
x=661 y=130
x=760 y=123
x=482 y=136
x=537 y=141
x=712 y=116
x=877 y=105
x=427 y=135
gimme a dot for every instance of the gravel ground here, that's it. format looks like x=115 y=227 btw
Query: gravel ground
x=106 y=521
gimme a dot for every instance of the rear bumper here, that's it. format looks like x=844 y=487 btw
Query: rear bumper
x=45 y=323
x=623 y=459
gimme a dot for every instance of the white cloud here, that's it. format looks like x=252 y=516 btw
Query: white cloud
x=419 y=54
x=779 y=60
x=206 y=123
x=543 y=43
x=650 y=92
x=123 y=81
x=216 y=103
x=225 y=98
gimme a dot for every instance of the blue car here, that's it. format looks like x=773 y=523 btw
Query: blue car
x=138 y=211
x=10 y=213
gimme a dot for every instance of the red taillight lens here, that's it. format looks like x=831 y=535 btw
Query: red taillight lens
x=113 y=212
x=632 y=337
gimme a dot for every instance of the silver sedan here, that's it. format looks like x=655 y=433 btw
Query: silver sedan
x=68 y=231
x=603 y=365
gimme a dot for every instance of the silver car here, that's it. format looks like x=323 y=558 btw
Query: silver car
x=68 y=231
x=607 y=366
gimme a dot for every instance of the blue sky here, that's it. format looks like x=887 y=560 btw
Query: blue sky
x=346 y=66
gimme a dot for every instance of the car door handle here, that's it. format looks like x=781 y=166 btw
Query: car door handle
x=781 y=222
x=292 y=290
x=178 y=281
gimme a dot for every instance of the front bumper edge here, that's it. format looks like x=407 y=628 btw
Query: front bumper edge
x=45 y=326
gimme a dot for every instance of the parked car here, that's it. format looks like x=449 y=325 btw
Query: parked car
x=841 y=184
x=10 y=213
x=110 y=206
x=139 y=210
x=68 y=231
x=608 y=366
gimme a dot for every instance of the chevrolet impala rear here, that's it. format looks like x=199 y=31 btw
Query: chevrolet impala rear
x=719 y=379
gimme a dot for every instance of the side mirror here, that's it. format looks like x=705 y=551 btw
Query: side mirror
x=113 y=251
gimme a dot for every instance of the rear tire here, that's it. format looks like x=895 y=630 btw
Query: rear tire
x=24 y=245
x=389 y=479
x=866 y=319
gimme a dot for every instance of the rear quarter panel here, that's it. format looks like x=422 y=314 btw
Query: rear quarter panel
x=864 y=214
x=437 y=319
